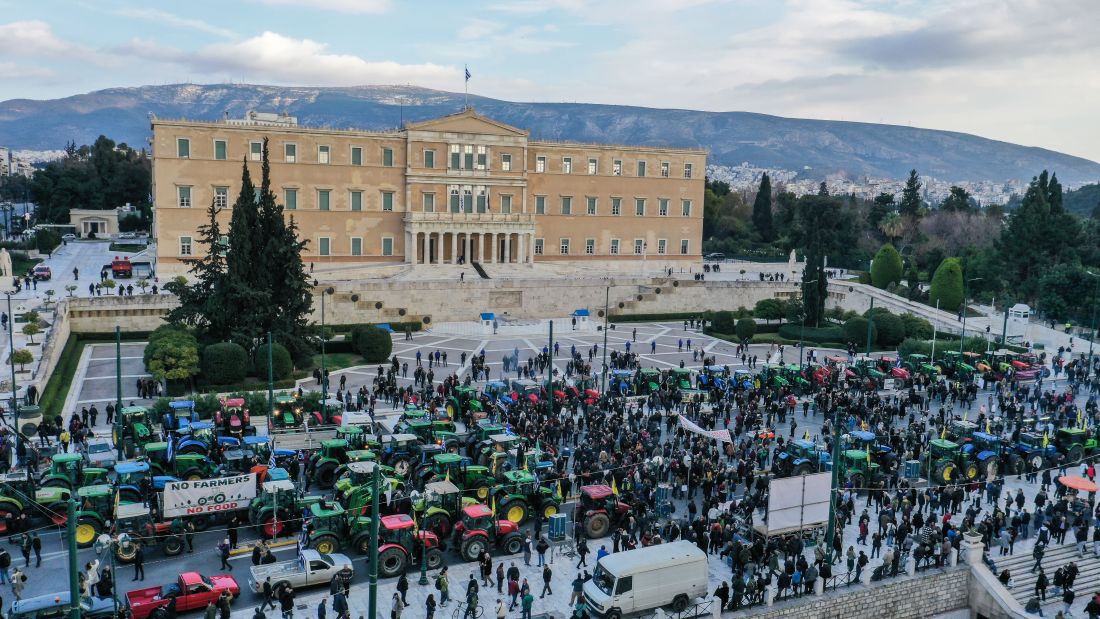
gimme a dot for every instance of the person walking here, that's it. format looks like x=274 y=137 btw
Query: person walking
x=1041 y=584
x=286 y=602
x=541 y=548
x=269 y=595
x=223 y=554
x=582 y=551
x=5 y=564
x=403 y=588
x=578 y=590
x=25 y=548
x=18 y=582
x=442 y=583
x=547 y=574
x=429 y=607
x=527 y=550
x=139 y=563
x=527 y=603
x=397 y=606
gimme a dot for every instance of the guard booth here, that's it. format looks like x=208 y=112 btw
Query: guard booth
x=1018 y=317
x=488 y=319
x=580 y=320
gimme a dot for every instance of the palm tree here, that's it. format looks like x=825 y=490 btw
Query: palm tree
x=892 y=226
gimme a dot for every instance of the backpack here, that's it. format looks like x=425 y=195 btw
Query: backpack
x=438 y=586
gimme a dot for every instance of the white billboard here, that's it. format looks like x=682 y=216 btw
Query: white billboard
x=204 y=496
x=798 y=502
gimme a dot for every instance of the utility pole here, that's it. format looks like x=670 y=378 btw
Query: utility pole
x=606 y=323
x=11 y=357
x=550 y=370
x=870 y=323
x=74 y=571
x=270 y=382
x=372 y=591
x=834 y=493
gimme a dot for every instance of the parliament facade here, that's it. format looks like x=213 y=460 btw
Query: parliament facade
x=455 y=189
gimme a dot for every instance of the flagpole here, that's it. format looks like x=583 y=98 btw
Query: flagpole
x=466 y=99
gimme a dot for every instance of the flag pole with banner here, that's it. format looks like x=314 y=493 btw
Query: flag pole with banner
x=468 y=76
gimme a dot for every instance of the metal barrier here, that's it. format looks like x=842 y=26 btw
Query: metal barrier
x=700 y=609
x=840 y=580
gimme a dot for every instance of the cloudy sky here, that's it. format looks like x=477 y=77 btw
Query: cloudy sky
x=1024 y=71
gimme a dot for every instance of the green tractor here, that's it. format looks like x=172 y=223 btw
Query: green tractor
x=495 y=453
x=400 y=541
x=960 y=431
x=1074 y=444
x=133 y=428
x=440 y=432
x=866 y=368
x=921 y=364
x=648 y=380
x=353 y=491
x=287 y=412
x=955 y=366
x=858 y=468
x=479 y=435
x=134 y=521
x=772 y=376
x=193 y=467
x=278 y=509
x=96 y=505
x=439 y=507
x=67 y=470
x=357 y=438
x=333 y=526
x=457 y=469
x=333 y=453
x=18 y=495
x=464 y=399
x=942 y=459
x=519 y=493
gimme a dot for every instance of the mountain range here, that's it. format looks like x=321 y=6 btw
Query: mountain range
x=813 y=147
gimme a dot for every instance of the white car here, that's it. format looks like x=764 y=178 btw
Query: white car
x=127 y=235
x=68 y=237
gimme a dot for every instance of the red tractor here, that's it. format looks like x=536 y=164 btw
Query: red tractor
x=601 y=509
x=401 y=542
x=478 y=530
x=122 y=268
x=232 y=418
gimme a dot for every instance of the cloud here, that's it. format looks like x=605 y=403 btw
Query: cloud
x=34 y=38
x=338 y=6
x=170 y=19
x=273 y=57
x=13 y=71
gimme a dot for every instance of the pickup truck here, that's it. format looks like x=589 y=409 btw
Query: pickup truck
x=192 y=591
x=309 y=569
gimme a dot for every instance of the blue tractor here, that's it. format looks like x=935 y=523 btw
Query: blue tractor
x=991 y=454
x=714 y=376
x=621 y=383
x=128 y=478
x=196 y=438
x=800 y=458
x=1035 y=450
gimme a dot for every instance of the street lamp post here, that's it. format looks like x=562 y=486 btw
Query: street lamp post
x=606 y=322
x=11 y=357
x=962 y=338
x=1093 y=338
x=802 y=327
x=324 y=367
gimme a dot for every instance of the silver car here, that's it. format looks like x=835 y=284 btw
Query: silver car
x=100 y=453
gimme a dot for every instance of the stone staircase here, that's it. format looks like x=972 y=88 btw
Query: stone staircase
x=1023 y=580
x=643 y=297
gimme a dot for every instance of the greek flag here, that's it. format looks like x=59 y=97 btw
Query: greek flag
x=271 y=461
x=171 y=443
x=468 y=76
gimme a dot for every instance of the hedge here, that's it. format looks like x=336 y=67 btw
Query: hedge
x=746 y=328
x=373 y=343
x=855 y=330
x=52 y=397
x=723 y=322
x=398 y=327
x=224 y=363
x=679 y=316
x=281 y=363
x=811 y=334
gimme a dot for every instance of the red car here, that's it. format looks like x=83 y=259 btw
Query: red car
x=42 y=272
x=192 y=591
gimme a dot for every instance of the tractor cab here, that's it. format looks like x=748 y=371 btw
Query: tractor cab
x=960 y=431
x=334 y=449
x=1074 y=443
x=129 y=476
x=156 y=454
x=598 y=496
x=526 y=389
x=67 y=470
x=648 y=381
x=356 y=437
x=95 y=504
x=494 y=452
x=714 y=376
x=499 y=393
x=193 y=467
x=199 y=437
x=233 y=418
x=133 y=428
x=622 y=383
x=465 y=399
x=180 y=412
x=286 y=412
x=532 y=460
x=329 y=412
x=680 y=378
x=443 y=494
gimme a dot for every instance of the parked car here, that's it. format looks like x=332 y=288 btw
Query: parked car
x=69 y=236
x=100 y=453
x=42 y=272
x=308 y=569
x=57 y=605
x=715 y=257
x=127 y=235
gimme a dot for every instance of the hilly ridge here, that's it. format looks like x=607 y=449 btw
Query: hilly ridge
x=851 y=148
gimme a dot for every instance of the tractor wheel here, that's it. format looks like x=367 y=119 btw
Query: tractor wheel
x=125 y=553
x=194 y=474
x=549 y=509
x=201 y=523
x=128 y=447
x=802 y=469
x=438 y=523
x=597 y=526
x=481 y=489
x=971 y=471
x=87 y=530
x=362 y=544
x=325 y=544
x=173 y=545
x=512 y=543
x=515 y=511
x=473 y=546
x=992 y=467
x=1074 y=455
x=57 y=482
x=452 y=446
x=433 y=559
x=58 y=513
x=402 y=466
x=391 y=562
x=325 y=474
x=945 y=473
x=192 y=448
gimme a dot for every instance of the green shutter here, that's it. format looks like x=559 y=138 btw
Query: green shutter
x=323 y=200
x=357 y=247
x=387 y=247
x=291 y=199
x=387 y=157
x=324 y=246
x=387 y=200
x=219 y=149
x=357 y=156
x=357 y=200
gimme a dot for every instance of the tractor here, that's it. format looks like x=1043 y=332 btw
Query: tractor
x=921 y=364
x=892 y=367
x=286 y=413
x=333 y=453
x=647 y=381
x=197 y=438
x=800 y=457
x=357 y=437
x=93 y=513
x=180 y=412
x=464 y=401
x=443 y=433
x=857 y=467
x=943 y=460
x=601 y=510
x=277 y=508
x=714 y=377
x=499 y=394
x=129 y=476
x=991 y=453
x=881 y=454
x=479 y=529
x=67 y=470
x=439 y=507
x=233 y=418
x=494 y=452
x=193 y=467
x=457 y=469
x=867 y=370
x=133 y=519
x=329 y=412
x=772 y=376
x=399 y=541
x=1037 y=450
x=18 y=495
x=960 y=431
x=400 y=451
x=1074 y=444
x=680 y=378
x=479 y=434
x=133 y=428
x=622 y=383
x=519 y=493
x=526 y=390
x=353 y=491
x=955 y=366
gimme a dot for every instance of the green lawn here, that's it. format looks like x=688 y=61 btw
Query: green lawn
x=21 y=264
x=131 y=248
x=338 y=360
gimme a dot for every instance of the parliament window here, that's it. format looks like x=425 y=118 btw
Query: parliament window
x=387 y=157
x=566 y=205
x=184 y=193
x=591 y=205
x=323 y=153
x=220 y=150
x=323 y=245
x=429 y=159
x=356 y=155
x=323 y=199
x=506 y=162
x=290 y=199
x=357 y=200
x=387 y=200
x=290 y=152
x=540 y=164
x=255 y=151
x=356 y=246
x=185 y=246
x=221 y=197
x=183 y=148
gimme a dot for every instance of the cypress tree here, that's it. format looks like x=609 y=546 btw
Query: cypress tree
x=910 y=196
x=762 y=210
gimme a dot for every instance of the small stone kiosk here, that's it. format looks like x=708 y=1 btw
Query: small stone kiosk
x=580 y=320
x=488 y=323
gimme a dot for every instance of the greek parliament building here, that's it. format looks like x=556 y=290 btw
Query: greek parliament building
x=454 y=189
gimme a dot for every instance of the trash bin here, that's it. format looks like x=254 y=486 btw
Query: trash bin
x=912 y=469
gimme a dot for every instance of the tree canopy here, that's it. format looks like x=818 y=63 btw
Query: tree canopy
x=886 y=268
x=104 y=175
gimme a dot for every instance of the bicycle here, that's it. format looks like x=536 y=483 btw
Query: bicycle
x=460 y=612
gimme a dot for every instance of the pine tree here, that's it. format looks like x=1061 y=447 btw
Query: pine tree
x=203 y=303
x=911 y=201
x=244 y=284
x=762 y=210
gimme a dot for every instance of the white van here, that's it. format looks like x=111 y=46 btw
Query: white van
x=647 y=578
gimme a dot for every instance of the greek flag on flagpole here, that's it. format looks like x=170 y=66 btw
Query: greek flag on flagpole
x=468 y=76
x=271 y=460
x=171 y=442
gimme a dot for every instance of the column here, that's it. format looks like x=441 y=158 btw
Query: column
x=508 y=248
x=531 y=250
x=438 y=248
x=410 y=251
x=466 y=247
x=493 y=254
x=520 y=256
x=427 y=253
x=454 y=247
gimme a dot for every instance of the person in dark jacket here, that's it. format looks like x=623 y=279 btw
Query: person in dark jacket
x=139 y=564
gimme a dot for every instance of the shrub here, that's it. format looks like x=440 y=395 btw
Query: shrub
x=855 y=330
x=746 y=328
x=224 y=363
x=768 y=309
x=816 y=335
x=947 y=285
x=916 y=327
x=22 y=357
x=886 y=268
x=890 y=329
x=723 y=322
x=373 y=343
x=281 y=363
